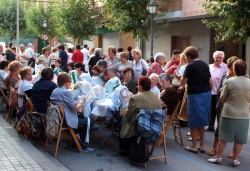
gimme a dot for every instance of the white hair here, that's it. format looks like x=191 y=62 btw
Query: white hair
x=30 y=44
x=221 y=53
x=22 y=45
x=154 y=75
x=159 y=55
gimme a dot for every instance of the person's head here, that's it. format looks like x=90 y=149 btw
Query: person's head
x=70 y=50
x=54 y=50
x=165 y=81
x=176 y=55
x=160 y=58
x=124 y=57
x=128 y=73
x=191 y=53
x=4 y=64
x=78 y=47
x=120 y=50
x=230 y=62
x=22 y=47
x=95 y=70
x=102 y=65
x=60 y=47
x=78 y=67
x=240 y=67
x=218 y=57
x=151 y=60
x=144 y=84
x=10 y=45
x=98 y=51
x=111 y=51
x=137 y=54
x=64 y=79
x=1 y=48
x=85 y=46
x=44 y=51
x=183 y=59
x=91 y=51
x=112 y=72
x=26 y=73
x=147 y=60
x=154 y=79
x=70 y=66
x=15 y=67
x=47 y=74
x=58 y=63
x=129 y=48
x=13 y=48
x=30 y=45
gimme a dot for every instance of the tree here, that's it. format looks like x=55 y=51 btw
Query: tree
x=8 y=18
x=77 y=18
x=235 y=15
x=36 y=15
x=130 y=16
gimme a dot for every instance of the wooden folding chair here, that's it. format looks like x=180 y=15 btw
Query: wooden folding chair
x=61 y=132
x=6 y=100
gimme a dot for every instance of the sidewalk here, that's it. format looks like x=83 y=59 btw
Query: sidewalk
x=19 y=154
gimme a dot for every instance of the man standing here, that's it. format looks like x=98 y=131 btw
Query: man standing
x=77 y=55
x=86 y=55
x=64 y=57
x=171 y=66
x=217 y=69
x=24 y=56
x=32 y=54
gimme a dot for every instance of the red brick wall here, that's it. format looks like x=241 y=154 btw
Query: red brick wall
x=169 y=5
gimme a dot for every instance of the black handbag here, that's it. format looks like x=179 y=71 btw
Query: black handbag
x=138 y=150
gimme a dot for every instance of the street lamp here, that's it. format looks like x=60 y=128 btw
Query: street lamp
x=152 y=10
x=44 y=26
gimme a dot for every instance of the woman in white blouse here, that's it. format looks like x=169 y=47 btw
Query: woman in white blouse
x=44 y=58
x=139 y=64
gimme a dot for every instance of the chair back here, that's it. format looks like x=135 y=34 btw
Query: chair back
x=4 y=96
x=30 y=104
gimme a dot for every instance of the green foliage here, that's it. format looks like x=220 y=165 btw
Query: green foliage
x=8 y=18
x=35 y=17
x=129 y=16
x=236 y=18
x=77 y=18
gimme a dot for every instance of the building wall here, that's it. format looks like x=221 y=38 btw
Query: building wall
x=199 y=33
x=110 y=39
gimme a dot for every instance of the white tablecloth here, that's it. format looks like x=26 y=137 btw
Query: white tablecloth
x=102 y=107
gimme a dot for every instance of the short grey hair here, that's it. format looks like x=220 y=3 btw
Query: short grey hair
x=166 y=77
x=102 y=63
x=22 y=45
x=112 y=69
x=154 y=75
x=98 y=51
x=30 y=44
x=159 y=55
x=221 y=53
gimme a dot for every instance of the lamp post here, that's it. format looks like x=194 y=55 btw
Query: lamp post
x=17 y=26
x=44 y=26
x=152 y=10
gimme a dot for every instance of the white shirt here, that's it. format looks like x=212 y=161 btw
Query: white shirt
x=181 y=69
x=24 y=86
x=31 y=52
x=45 y=61
x=22 y=54
x=69 y=57
x=155 y=90
x=138 y=68
x=3 y=76
x=85 y=55
x=53 y=57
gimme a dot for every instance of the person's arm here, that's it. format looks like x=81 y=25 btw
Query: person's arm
x=130 y=111
x=224 y=93
x=184 y=81
x=211 y=83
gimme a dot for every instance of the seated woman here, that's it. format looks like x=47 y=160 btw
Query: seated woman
x=63 y=96
x=96 y=79
x=70 y=66
x=58 y=69
x=4 y=72
x=42 y=90
x=124 y=63
x=154 y=81
x=113 y=81
x=169 y=95
x=82 y=74
x=128 y=81
x=145 y=99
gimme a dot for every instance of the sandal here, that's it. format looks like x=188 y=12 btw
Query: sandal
x=212 y=152
x=190 y=139
x=231 y=154
x=191 y=149
x=236 y=163
x=215 y=160
x=201 y=149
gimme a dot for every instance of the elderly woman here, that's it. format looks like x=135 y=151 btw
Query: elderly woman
x=172 y=65
x=128 y=81
x=234 y=121
x=113 y=82
x=145 y=99
x=169 y=96
x=155 y=67
x=124 y=62
x=4 y=72
x=112 y=60
x=44 y=59
x=96 y=79
x=63 y=96
x=139 y=65
x=154 y=81
x=102 y=66
x=11 y=80
x=42 y=90
x=198 y=79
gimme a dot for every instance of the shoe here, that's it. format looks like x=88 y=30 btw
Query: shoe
x=236 y=163
x=231 y=154
x=123 y=153
x=212 y=152
x=215 y=160
x=191 y=149
x=190 y=139
x=209 y=129
x=189 y=134
x=201 y=149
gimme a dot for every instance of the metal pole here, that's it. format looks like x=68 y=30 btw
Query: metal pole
x=152 y=35
x=44 y=43
x=17 y=26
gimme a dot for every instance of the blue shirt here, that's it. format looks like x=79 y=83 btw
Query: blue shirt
x=64 y=57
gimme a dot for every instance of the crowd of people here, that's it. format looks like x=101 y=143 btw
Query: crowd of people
x=212 y=91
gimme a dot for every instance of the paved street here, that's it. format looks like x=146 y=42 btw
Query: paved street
x=108 y=159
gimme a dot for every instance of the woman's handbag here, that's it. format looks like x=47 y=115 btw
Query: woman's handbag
x=176 y=82
x=138 y=150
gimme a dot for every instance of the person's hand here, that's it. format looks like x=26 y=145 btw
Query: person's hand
x=174 y=66
x=180 y=89
x=84 y=99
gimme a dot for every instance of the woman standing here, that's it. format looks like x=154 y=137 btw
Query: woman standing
x=124 y=62
x=198 y=79
x=112 y=60
x=234 y=122
x=44 y=58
